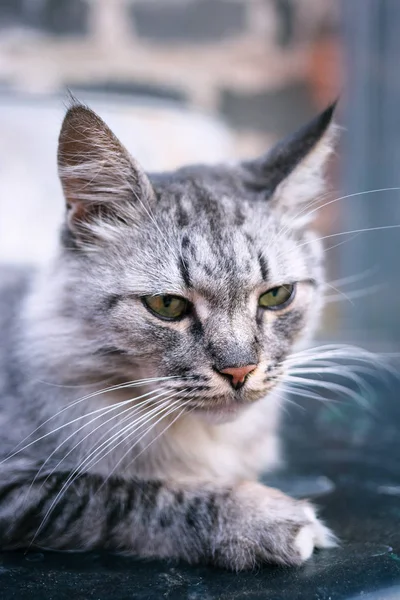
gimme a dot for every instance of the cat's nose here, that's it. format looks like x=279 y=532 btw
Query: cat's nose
x=238 y=375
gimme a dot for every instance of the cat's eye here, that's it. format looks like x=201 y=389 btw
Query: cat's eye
x=171 y=308
x=277 y=297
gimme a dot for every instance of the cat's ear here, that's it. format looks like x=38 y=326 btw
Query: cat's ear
x=293 y=173
x=103 y=186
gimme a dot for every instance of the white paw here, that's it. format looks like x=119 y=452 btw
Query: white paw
x=314 y=535
x=304 y=542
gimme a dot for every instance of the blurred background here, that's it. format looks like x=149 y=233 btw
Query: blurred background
x=208 y=80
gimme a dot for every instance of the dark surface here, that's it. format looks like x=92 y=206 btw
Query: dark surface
x=364 y=513
x=345 y=457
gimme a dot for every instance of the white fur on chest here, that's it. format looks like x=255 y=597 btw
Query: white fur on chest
x=193 y=449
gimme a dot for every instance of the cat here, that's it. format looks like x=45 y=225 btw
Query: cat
x=141 y=370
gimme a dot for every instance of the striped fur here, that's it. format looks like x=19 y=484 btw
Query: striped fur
x=117 y=429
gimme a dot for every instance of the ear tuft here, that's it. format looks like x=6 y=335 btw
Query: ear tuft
x=100 y=180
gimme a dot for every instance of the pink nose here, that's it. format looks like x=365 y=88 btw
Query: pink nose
x=238 y=374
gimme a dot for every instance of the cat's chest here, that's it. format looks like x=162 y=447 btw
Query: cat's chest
x=241 y=449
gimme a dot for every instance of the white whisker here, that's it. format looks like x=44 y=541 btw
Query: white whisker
x=152 y=441
x=353 y=195
x=355 y=278
x=343 y=372
x=340 y=293
x=366 y=229
x=341 y=362
x=353 y=295
x=286 y=400
x=301 y=382
x=130 y=429
x=103 y=410
x=130 y=384
x=305 y=393
x=132 y=408
x=76 y=473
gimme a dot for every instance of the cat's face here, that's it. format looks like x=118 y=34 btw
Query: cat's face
x=208 y=276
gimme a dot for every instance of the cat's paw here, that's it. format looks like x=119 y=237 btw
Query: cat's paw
x=313 y=535
x=266 y=526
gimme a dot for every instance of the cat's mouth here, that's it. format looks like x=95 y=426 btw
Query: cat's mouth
x=214 y=400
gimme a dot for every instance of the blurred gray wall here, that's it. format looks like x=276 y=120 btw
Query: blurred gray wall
x=371 y=160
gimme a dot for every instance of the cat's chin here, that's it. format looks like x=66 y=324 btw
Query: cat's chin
x=221 y=415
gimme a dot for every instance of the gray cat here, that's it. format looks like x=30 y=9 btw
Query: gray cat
x=141 y=372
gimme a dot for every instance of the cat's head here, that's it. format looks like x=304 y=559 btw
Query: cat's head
x=206 y=275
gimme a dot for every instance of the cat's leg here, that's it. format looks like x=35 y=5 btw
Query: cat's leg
x=236 y=528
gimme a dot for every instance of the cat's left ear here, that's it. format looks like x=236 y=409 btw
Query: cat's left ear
x=293 y=172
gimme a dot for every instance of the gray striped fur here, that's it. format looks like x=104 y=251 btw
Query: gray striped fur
x=179 y=483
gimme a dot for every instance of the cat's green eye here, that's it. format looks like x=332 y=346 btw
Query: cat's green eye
x=277 y=297
x=167 y=307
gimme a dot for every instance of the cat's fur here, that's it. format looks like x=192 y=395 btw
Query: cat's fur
x=220 y=236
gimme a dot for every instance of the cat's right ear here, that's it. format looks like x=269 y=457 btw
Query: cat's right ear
x=292 y=174
x=104 y=187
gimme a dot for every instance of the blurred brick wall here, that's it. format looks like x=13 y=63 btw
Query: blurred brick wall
x=262 y=65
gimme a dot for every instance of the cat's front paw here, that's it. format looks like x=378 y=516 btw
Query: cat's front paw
x=266 y=526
